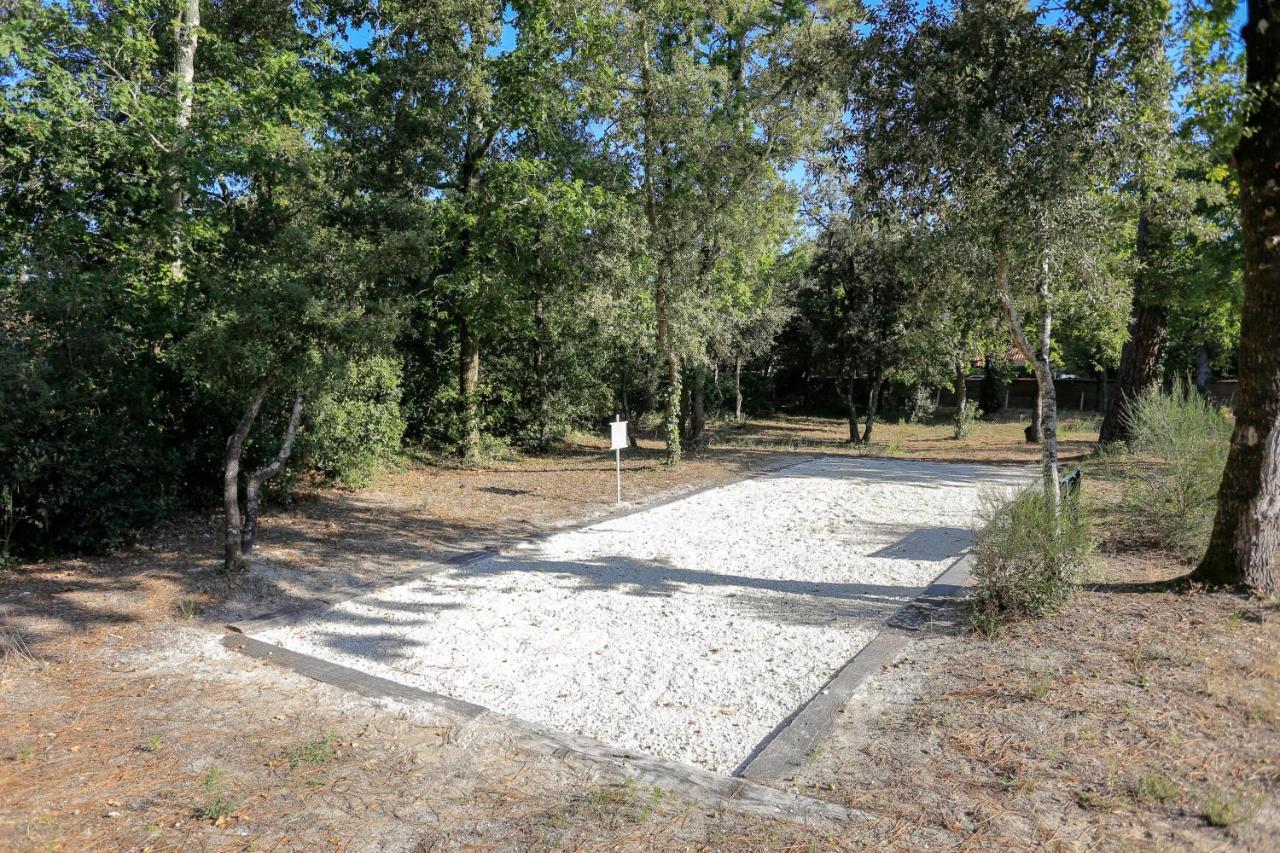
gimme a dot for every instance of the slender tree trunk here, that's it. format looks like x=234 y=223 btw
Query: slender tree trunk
x=232 y=558
x=1100 y=404
x=737 y=390
x=661 y=281
x=468 y=380
x=685 y=408
x=698 y=408
x=543 y=405
x=186 y=36
x=1046 y=398
x=851 y=401
x=1246 y=531
x=253 y=489
x=1048 y=393
x=873 y=405
x=962 y=396
x=1204 y=371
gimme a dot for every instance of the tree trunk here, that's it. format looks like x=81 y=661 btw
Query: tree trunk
x=468 y=379
x=855 y=435
x=1100 y=404
x=1046 y=409
x=1204 y=371
x=253 y=490
x=232 y=558
x=698 y=408
x=661 y=282
x=737 y=390
x=873 y=404
x=1140 y=356
x=962 y=396
x=1048 y=393
x=1246 y=531
x=543 y=405
x=1034 y=434
x=186 y=36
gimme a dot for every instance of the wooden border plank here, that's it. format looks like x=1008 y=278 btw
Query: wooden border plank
x=788 y=747
x=703 y=786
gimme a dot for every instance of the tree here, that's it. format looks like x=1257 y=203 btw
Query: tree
x=465 y=108
x=712 y=100
x=1243 y=548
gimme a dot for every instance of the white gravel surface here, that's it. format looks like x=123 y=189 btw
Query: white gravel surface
x=688 y=630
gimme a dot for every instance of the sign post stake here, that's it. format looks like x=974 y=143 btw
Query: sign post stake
x=617 y=441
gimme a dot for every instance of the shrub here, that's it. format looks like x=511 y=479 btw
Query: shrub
x=964 y=418
x=1173 y=490
x=356 y=425
x=924 y=405
x=1027 y=562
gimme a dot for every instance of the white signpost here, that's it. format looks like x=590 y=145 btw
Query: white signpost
x=617 y=441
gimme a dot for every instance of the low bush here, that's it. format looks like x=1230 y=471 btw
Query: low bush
x=1180 y=442
x=964 y=418
x=1027 y=561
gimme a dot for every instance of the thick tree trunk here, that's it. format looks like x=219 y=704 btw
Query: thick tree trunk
x=186 y=36
x=1246 y=531
x=873 y=405
x=232 y=558
x=1140 y=356
x=468 y=380
x=737 y=390
x=1047 y=404
x=253 y=489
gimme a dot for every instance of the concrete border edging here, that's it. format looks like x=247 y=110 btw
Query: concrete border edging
x=790 y=744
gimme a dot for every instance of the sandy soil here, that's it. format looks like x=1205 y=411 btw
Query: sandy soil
x=687 y=631
x=1137 y=718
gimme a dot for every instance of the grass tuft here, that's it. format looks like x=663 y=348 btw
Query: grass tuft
x=219 y=805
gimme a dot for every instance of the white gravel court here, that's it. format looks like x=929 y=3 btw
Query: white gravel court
x=688 y=630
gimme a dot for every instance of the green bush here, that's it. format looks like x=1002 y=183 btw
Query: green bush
x=1027 y=562
x=356 y=425
x=1172 y=489
x=964 y=418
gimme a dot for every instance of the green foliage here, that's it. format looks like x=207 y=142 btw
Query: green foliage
x=356 y=424
x=964 y=418
x=1027 y=561
x=1181 y=441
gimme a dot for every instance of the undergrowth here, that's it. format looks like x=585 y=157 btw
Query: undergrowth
x=1180 y=443
x=1027 y=560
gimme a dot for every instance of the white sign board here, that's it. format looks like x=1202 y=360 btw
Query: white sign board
x=618 y=435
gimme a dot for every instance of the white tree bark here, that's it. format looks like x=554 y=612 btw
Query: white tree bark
x=1047 y=396
x=186 y=35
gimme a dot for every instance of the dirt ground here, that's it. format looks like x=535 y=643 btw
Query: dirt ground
x=1135 y=718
